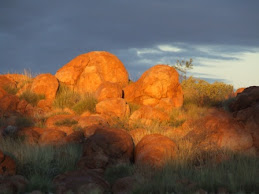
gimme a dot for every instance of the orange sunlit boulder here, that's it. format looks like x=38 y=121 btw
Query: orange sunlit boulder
x=86 y=72
x=158 y=87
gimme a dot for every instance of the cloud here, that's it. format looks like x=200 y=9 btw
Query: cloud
x=169 y=48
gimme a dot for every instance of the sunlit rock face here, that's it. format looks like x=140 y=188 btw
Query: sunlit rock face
x=86 y=72
x=158 y=87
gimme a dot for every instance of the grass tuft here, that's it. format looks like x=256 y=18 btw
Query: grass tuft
x=66 y=122
x=31 y=97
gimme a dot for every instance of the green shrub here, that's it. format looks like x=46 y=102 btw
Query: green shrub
x=86 y=103
x=202 y=93
x=66 y=122
x=31 y=97
x=10 y=89
x=66 y=98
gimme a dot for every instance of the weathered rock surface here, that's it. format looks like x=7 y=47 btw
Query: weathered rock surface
x=108 y=90
x=75 y=137
x=87 y=72
x=147 y=114
x=220 y=130
x=52 y=136
x=7 y=165
x=81 y=181
x=87 y=121
x=8 y=103
x=114 y=107
x=13 y=184
x=155 y=150
x=6 y=82
x=138 y=134
x=45 y=84
x=107 y=147
x=158 y=87
x=124 y=185
x=30 y=135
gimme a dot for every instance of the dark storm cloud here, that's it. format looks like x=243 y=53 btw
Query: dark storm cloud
x=44 y=35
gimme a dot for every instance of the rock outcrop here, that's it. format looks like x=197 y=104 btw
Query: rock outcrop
x=155 y=150
x=158 y=87
x=87 y=72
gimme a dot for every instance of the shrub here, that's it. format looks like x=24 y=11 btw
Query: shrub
x=10 y=89
x=66 y=122
x=40 y=164
x=202 y=93
x=23 y=121
x=31 y=97
x=86 y=103
x=66 y=98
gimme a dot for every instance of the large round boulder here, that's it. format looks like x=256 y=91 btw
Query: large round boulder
x=158 y=87
x=155 y=150
x=86 y=72
x=107 y=147
x=108 y=90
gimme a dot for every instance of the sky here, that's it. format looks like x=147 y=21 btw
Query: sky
x=222 y=37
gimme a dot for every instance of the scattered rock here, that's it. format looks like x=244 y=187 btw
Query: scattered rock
x=114 y=107
x=8 y=102
x=52 y=136
x=158 y=87
x=75 y=137
x=155 y=150
x=87 y=72
x=81 y=181
x=107 y=147
x=13 y=184
x=7 y=165
x=87 y=121
x=45 y=84
x=108 y=90
x=146 y=115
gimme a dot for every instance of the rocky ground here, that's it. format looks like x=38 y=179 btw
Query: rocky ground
x=104 y=133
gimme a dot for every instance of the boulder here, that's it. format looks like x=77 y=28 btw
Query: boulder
x=158 y=87
x=124 y=185
x=107 y=147
x=75 y=137
x=114 y=107
x=13 y=184
x=6 y=82
x=63 y=123
x=31 y=136
x=7 y=165
x=219 y=130
x=155 y=150
x=8 y=102
x=45 y=84
x=108 y=90
x=87 y=72
x=138 y=134
x=239 y=90
x=146 y=115
x=52 y=136
x=246 y=99
x=81 y=181
x=87 y=121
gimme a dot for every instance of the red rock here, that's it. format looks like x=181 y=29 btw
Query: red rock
x=13 y=184
x=6 y=82
x=8 y=103
x=75 y=137
x=155 y=150
x=138 y=134
x=86 y=72
x=147 y=114
x=238 y=91
x=45 y=84
x=124 y=185
x=7 y=165
x=114 y=107
x=108 y=90
x=81 y=181
x=221 y=131
x=30 y=135
x=158 y=87
x=107 y=147
x=55 y=122
x=87 y=121
x=247 y=98
x=52 y=136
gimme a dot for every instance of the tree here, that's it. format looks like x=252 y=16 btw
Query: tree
x=182 y=67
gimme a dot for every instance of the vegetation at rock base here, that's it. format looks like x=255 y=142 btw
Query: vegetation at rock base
x=66 y=122
x=31 y=97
